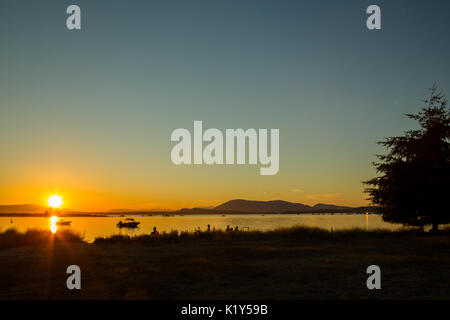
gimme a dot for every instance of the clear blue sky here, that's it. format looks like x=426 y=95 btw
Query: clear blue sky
x=89 y=113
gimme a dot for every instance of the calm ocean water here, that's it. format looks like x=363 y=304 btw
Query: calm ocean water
x=92 y=227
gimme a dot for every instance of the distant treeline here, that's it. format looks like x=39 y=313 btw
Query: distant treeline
x=45 y=215
x=359 y=210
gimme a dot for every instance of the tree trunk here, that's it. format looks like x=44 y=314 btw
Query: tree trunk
x=435 y=227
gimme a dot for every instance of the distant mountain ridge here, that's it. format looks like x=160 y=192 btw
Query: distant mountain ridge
x=322 y=206
x=231 y=206
x=22 y=208
x=260 y=206
x=276 y=206
x=29 y=209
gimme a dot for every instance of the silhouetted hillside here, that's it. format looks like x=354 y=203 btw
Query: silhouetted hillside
x=322 y=206
x=261 y=206
x=232 y=207
x=22 y=208
x=279 y=206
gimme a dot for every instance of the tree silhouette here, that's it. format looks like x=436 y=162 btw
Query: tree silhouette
x=415 y=173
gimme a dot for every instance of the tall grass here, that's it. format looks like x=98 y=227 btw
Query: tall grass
x=297 y=232
x=12 y=238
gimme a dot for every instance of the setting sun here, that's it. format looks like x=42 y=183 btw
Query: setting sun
x=54 y=201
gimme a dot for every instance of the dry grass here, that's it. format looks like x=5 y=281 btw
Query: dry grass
x=12 y=238
x=297 y=263
x=296 y=232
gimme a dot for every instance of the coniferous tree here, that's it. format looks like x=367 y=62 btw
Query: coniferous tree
x=414 y=184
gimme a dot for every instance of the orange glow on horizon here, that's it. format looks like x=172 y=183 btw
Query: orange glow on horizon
x=103 y=199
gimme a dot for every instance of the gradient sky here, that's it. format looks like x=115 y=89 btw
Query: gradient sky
x=88 y=114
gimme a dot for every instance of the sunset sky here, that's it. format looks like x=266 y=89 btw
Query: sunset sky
x=88 y=114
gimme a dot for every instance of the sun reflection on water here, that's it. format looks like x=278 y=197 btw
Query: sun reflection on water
x=53 y=226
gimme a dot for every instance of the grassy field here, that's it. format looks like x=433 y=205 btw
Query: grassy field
x=296 y=263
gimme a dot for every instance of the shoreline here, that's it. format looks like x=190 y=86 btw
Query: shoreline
x=165 y=214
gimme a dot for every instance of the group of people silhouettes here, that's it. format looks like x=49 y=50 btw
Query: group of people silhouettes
x=156 y=233
x=231 y=229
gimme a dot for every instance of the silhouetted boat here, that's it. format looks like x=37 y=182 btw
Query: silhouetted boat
x=129 y=223
x=63 y=223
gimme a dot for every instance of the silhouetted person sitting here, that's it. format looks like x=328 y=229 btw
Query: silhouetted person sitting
x=209 y=228
x=236 y=229
x=228 y=228
x=154 y=233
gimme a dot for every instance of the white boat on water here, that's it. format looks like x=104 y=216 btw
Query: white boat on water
x=63 y=222
x=129 y=223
